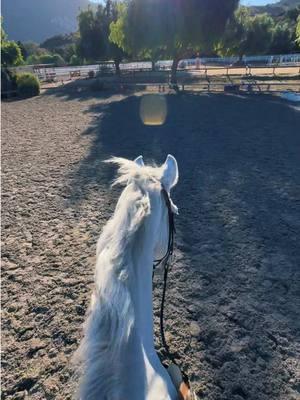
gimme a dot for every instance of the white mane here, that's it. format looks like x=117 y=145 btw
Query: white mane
x=130 y=170
x=111 y=314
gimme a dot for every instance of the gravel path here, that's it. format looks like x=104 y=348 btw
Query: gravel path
x=233 y=304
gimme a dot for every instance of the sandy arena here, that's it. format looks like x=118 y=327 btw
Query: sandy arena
x=233 y=303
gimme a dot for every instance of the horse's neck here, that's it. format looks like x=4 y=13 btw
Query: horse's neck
x=141 y=289
x=142 y=367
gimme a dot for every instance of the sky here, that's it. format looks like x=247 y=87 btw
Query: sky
x=244 y=2
x=257 y=2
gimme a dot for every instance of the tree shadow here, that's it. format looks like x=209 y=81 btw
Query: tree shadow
x=237 y=276
x=84 y=89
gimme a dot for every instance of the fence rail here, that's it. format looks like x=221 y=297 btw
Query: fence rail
x=48 y=72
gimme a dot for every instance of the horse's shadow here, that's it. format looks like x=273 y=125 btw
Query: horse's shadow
x=237 y=277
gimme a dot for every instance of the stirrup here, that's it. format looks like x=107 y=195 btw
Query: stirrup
x=183 y=389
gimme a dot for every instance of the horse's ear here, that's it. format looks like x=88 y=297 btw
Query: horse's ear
x=170 y=173
x=139 y=161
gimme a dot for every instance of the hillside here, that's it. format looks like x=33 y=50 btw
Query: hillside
x=276 y=9
x=37 y=20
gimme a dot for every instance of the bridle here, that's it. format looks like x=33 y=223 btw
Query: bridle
x=165 y=262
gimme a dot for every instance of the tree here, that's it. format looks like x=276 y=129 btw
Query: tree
x=258 y=34
x=10 y=51
x=94 y=43
x=120 y=34
x=91 y=44
x=23 y=50
x=46 y=58
x=52 y=59
x=3 y=34
x=246 y=34
x=75 y=60
x=114 y=51
x=298 y=31
x=282 y=39
x=117 y=28
x=31 y=48
x=64 y=45
x=177 y=28
x=11 y=54
x=55 y=42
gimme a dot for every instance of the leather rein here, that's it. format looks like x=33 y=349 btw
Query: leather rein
x=165 y=262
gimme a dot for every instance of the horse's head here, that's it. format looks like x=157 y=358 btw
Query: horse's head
x=145 y=202
x=163 y=179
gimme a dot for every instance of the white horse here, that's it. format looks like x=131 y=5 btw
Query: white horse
x=117 y=353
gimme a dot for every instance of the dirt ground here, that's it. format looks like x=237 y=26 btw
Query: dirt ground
x=233 y=303
x=256 y=71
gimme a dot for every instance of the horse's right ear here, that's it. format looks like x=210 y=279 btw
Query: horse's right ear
x=139 y=161
x=170 y=173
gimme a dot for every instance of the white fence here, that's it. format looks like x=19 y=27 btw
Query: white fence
x=279 y=59
x=47 y=72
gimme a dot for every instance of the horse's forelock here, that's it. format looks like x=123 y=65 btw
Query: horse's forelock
x=129 y=170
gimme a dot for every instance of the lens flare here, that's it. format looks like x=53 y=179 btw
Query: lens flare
x=153 y=109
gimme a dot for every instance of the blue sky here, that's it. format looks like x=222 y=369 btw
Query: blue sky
x=257 y=2
x=245 y=2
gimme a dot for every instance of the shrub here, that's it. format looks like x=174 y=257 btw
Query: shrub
x=32 y=59
x=55 y=59
x=28 y=85
x=8 y=82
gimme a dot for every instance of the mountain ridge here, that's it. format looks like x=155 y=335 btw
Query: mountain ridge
x=37 y=20
x=275 y=9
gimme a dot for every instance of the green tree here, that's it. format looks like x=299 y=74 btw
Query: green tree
x=298 y=31
x=31 y=48
x=52 y=59
x=55 y=42
x=91 y=44
x=121 y=33
x=11 y=54
x=34 y=53
x=75 y=60
x=117 y=29
x=46 y=58
x=3 y=34
x=113 y=51
x=247 y=35
x=23 y=50
x=94 y=43
x=282 y=39
x=64 y=45
x=259 y=34
x=177 y=28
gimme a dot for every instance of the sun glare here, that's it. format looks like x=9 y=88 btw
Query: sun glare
x=153 y=109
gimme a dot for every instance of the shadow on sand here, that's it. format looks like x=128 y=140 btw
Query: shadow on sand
x=237 y=278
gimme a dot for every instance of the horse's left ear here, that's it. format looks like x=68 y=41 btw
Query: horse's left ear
x=170 y=173
x=139 y=161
